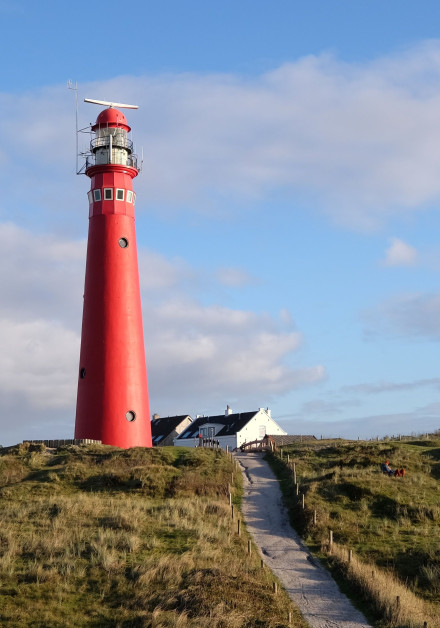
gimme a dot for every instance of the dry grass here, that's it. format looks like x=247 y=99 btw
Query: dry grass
x=84 y=541
x=391 y=524
x=393 y=601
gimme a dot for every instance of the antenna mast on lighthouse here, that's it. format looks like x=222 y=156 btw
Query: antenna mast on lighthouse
x=112 y=400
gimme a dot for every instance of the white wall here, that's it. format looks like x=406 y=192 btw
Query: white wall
x=230 y=441
x=187 y=442
x=223 y=441
x=252 y=431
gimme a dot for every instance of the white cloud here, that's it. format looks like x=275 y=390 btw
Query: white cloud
x=415 y=422
x=158 y=274
x=411 y=315
x=233 y=277
x=400 y=253
x=210 y=354
x=41 y=275
x=197 y=355
x=38 y=361
x=359 y=137
x=390 y=387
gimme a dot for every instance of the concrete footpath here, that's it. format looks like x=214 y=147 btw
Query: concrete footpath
x=309 y=585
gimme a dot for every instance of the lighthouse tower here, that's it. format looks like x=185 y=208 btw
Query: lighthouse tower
x=112 y=401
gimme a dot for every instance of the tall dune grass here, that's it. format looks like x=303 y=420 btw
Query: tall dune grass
x=391 y=524
x=392 y=600
x=127 y=538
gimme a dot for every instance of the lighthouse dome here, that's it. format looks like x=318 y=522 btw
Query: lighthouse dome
x=111 y=117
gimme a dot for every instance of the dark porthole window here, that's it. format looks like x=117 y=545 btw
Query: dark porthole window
x=130 y=416
x=82 y=372
x=123 y=243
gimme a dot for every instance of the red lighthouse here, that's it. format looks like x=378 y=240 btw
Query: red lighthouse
x=112 y=402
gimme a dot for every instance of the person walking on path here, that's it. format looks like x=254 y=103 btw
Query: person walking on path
x=310 y=587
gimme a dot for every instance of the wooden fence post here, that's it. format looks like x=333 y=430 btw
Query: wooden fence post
x=261 y=563
x=314 y=517
x=230 y=498
x=249 y=547
x=275 y=588
x=289 y=618
x=232 y=511
x=238 y=527
x=303 y=503
x=350 y=555
x=330 y=539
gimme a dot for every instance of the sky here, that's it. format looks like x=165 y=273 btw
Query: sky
x=287 y=213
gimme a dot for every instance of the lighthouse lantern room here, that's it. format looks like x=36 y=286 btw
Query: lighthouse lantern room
x=112 y=399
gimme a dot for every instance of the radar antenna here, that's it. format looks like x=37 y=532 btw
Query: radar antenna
x=106 y=103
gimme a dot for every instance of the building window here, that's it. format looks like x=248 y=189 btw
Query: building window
x=129 y=196
x=130 y=416
x=208 y=432
x=134 y=198
x=90 y=197
x=108 y=194
x=123 y=243
x=96 y=195
x=119 y=194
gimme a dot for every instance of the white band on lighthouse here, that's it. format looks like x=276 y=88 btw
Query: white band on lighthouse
x=106 y=103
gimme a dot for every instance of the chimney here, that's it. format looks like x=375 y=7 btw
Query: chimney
x=269 y=412
x=156 y=416
x=228 y=411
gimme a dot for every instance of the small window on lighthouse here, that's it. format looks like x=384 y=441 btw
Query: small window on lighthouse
x=97 y=195
x=119 y=194
x=90 y=197
x=108 y=194
x=123 y=243
x=130 y=416
x=129 y=196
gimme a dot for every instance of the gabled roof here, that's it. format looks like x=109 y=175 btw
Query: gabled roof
x=163 y=426
x=232 y=423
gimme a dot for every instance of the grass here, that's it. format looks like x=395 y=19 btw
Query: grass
x=97 y=536
x=390 y=524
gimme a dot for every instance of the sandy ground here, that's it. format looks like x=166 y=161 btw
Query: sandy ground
x=308 y=584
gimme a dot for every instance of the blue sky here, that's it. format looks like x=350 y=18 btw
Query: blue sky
x=287 y=214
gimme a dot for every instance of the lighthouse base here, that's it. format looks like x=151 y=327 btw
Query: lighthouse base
x=112 y=402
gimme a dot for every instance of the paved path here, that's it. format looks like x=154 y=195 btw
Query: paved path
x=309 y=585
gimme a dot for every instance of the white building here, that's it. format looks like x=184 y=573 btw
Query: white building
x=229 y=429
